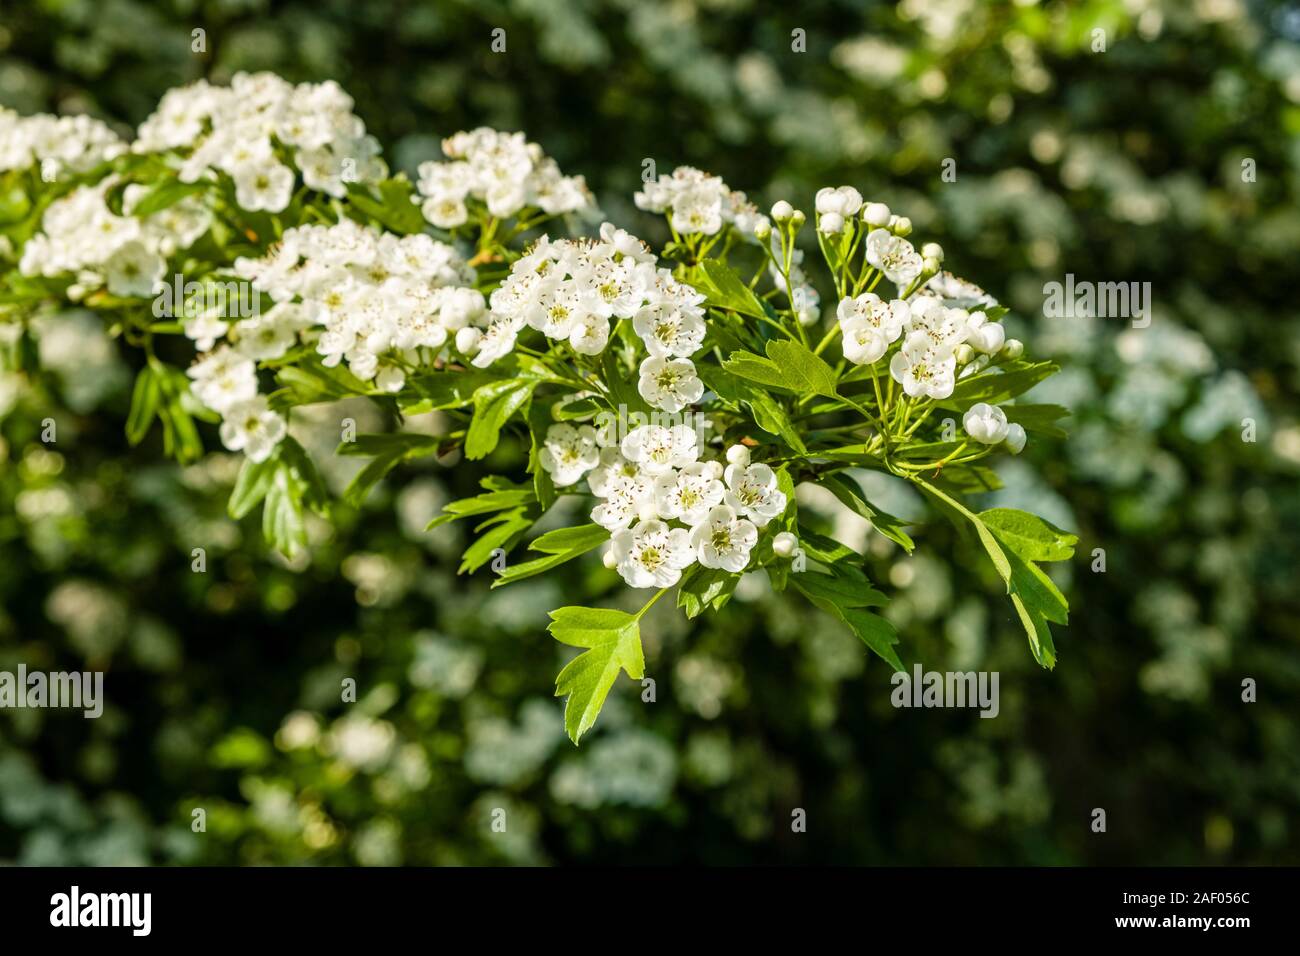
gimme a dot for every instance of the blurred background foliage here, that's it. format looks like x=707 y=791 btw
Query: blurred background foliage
x=1115 y=165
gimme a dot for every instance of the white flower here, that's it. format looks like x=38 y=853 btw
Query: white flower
x=265 y=337
x=568 y=453
x=658 y=449
x=985 y=336
x=223 y=379
x=626 y=497
x=611 y=468
x=251 y=427
x=723 y=540
x=688 y=494
x=893 y=256
x=921 y=370
x=134 y=270
x=498 y=340
x=652 y=554
x=1016 y=438
x=944 y=328
x=870 y=325
x=669 y=384
x=669 y=332
x=267 y=187
x=844 y=201
x=590 y=334
x=752 y=490
x=985 y=423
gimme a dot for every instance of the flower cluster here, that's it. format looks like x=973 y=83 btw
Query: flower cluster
x=81 y=235
x=571 y=290
x=252 y=128
x=379 y=297
x=697 y=203
x=664 y=508
x=504 y=172
x=57 y=144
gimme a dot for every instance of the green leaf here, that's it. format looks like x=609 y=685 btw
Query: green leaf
x=559 y=546
x=756 y=368
x=145 y=398
x=393 y=208
x=613 y=642
x=850 y=494
x=499 y=499
x=539 y=421
x=251 y=486
x=723 y=288
x=1038 y=418
x=702 y=588
x=846 y=602
x=389 y=450
x=493 y=405
x=1036 y=599
x=165 y=194
x=282 y=516
x=807 y=373
x=307 y=480
x=450 y=389
x=997 y=387
x=1031 y=537
x=504 y=531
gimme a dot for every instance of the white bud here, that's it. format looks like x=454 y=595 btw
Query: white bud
x=782 y=211
x=901 y=226
x=876 y=215
x=798 y=219
x=964 y=354
x=784 y=544
x=608 y=558
x=1013 y=349
x=930 y=265
x=713 y=469
x=738 y=455
x=932 y=250
x=831 y=224
x=1016 y=438
x=467 y=340
x=763 y=230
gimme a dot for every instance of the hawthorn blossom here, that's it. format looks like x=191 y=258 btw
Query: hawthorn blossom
x=870 y=325
x=670 y=384
x=568 y=453
x=688 y=494
x=251 y=427
x=752 y=491
x=922 y=370
x=724 y=540
x=985 y=423
x=894 y=256
x=657 y=449
x=652 y=554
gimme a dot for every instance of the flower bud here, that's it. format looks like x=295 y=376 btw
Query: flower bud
x=900 y=226
x=467 y=340
x=831 y=224
x=782 y=211
x=1013 y=349
x=964 y=354
x=713 y=469
x=932 y=250
x=784 y=544
x=930 y=265
x=798 y=219
x=876 y=215
x=763 y=231
x=738 y=455
x=608 y=559
x=1016 y=438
